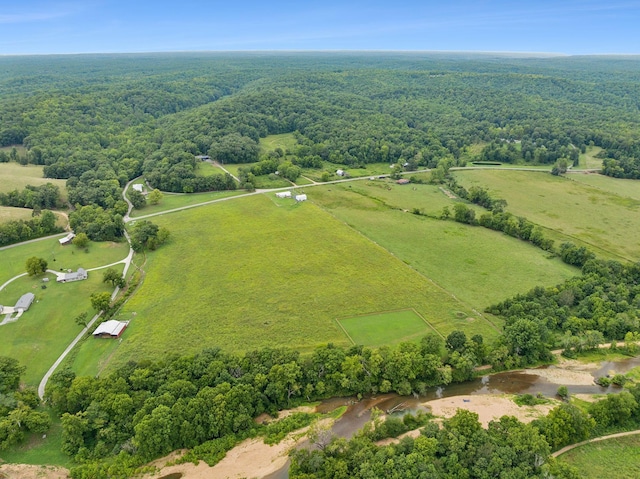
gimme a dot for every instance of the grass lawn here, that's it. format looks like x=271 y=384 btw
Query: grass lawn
x=618 y=457
x=204 y=168
x=260 y=272
x=68 y=257
x=16 y=177
x=477 y=265
x=286 y=141
x=43 y=332
x=302 y=181
x=385 y=328
x=608 y=223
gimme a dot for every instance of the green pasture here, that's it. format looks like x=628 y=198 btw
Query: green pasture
x=604 y=221
x=91 y=355
x=302 y=181
x=385 y=328
x=16 y=177
x=616 y=186
x=477 y=265
x=286 y=141
x=618 y=457
x=19 y=148
x=13 y=259
x=258 y=272
x=43 y=332
x=176 y=200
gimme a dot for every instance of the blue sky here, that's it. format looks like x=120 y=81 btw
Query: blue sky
x=87 y=26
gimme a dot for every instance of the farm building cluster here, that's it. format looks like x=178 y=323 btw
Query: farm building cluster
x=287 y=194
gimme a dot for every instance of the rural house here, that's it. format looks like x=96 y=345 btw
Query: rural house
x=110 y=329
x=72 y=276
x=283 y=194
x=24 y=302
x=138 y=187
x=301 y=197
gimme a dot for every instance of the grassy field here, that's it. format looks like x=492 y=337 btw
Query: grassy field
x=8 y=213
x=204 y=168
x=263 y=272
x=385 y=328
x=588 y=159
x=286 y=141
x=16 y=177
x=608 y=223
x=68 y=257
x=38 y=337
x=477 y=265
x=619 y=458
x=615 y=186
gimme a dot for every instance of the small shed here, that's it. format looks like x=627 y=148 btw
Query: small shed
x=110 y=329
x=283 y=194
x=403 y=181
x=24 y=302
x=340 y=172
x=67 y=239
x=73 y=276
x=302 y=197
x=203 y=157
x=138 y=187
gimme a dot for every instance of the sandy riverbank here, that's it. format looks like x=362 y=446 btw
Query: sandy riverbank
x=488 y=407
x=25 y=471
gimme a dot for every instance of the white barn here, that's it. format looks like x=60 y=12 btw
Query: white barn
x=138 y=187
x=283 y=194
x=67 y=239
x=302 y=197
x=110 y=329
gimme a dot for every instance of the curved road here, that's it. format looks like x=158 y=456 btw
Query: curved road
x=595 y=439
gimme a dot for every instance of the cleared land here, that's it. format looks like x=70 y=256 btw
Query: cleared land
x=256 y=272
x=619 y=458
x=42 y=333
x=176 y=200
x=16 y=177
x=286 y=141
x=606 y=222
x=8 y=213
x=477 y=265
x=385 y=328
x=67 y=257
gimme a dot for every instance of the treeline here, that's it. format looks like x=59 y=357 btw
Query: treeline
x=461 y=447
x=604 y=299
x=18 y=415
x=144 y=410
x=33 y=197
x=15 y=231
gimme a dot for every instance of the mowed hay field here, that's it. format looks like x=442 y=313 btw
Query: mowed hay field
x=256 y=272
x=386 y=328
x=16 y=177
x=605 y=221
x=477 y=265
x=619 y=458
x=616 y=186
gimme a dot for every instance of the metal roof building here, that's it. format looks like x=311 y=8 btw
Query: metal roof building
x=110 y=329
x=25 y=301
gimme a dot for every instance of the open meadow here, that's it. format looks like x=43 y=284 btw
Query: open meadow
x=42 y=333
x=258 y=272
x=618 y=457
x=604 y=221
x=375 y=330
x=616 y=186
x=16 y=177
x=477 y=265
x=284 y=141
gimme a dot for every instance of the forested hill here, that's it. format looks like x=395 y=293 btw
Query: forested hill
x=100 y=120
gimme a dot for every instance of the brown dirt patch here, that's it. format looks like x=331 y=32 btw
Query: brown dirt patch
x=25 y=471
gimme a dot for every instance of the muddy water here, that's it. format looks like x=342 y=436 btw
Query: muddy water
x=510 y=382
